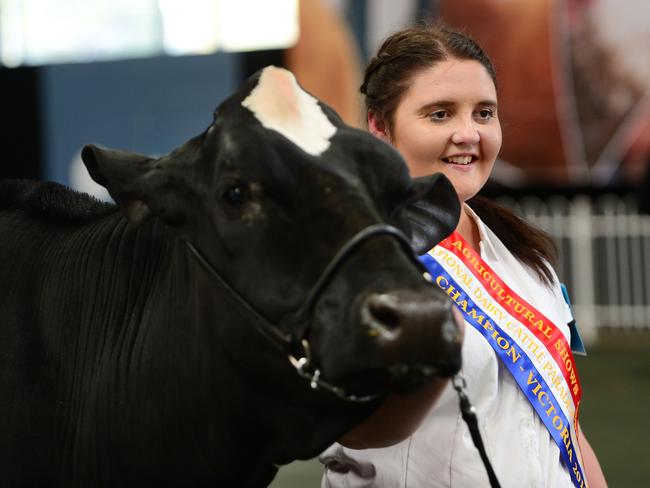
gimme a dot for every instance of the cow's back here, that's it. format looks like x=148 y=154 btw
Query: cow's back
x=40 y=223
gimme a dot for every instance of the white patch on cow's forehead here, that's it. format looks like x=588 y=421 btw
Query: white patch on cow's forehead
x=280 y=104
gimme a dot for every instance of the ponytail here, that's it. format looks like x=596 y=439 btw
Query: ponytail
x=532 y=246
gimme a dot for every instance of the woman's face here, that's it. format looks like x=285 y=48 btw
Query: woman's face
x=447 y=122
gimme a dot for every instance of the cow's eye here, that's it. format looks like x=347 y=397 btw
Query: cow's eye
x=236 y=194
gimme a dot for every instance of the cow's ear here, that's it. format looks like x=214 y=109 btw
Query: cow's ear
x=433 y=211
x=140 y=185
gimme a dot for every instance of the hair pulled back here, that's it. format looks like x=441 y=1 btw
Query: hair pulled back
x=388 y=76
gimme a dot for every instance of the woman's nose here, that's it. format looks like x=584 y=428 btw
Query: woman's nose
x=466 y=132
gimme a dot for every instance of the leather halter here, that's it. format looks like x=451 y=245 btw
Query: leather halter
x=297 y=348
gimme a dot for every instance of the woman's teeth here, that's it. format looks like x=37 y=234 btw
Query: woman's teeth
x=459 y=159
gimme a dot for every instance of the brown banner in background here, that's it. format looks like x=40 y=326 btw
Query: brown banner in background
x=574 y=84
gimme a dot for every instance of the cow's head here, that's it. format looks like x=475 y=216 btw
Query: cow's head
x=311 y=223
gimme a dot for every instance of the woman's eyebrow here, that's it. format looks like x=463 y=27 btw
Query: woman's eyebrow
x=442 y=104
x=435 y=105
x=488 y=103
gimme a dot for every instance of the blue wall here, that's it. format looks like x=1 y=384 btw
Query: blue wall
x=148 y=106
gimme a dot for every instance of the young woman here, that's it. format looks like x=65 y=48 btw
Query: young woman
x=432 y=94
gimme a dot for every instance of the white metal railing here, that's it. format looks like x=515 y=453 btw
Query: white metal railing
x=604 y=251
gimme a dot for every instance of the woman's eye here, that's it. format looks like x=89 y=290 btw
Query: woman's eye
x=236 y=194
x=438 y=115
x=486 y=113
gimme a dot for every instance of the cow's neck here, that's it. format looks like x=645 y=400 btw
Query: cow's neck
x=116 y=342
x=132 y=338
x=189 y=366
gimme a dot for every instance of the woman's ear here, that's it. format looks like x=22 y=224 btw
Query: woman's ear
x=377 y=126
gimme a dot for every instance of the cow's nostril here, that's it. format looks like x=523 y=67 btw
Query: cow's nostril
x=380 y=313
x=383 y=311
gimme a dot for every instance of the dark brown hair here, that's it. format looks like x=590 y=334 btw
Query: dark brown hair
x=386 y=79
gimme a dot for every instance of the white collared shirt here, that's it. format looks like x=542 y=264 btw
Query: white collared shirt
x=441 y=453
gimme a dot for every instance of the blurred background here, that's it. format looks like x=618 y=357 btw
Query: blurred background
x=574 y=96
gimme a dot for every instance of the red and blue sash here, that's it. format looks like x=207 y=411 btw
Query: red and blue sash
x=532 y=347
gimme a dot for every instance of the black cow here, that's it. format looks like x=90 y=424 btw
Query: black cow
x=251 y=297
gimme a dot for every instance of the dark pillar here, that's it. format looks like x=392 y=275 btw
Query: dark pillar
x=21 y=134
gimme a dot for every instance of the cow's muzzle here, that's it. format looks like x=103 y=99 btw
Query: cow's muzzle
x=417 y=335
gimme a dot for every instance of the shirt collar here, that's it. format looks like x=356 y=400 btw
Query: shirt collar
x=486 y=244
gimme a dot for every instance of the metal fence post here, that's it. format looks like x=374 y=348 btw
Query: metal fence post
x=582 y=268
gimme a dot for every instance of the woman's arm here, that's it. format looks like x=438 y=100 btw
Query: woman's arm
x=396 y=419
x=593 y=471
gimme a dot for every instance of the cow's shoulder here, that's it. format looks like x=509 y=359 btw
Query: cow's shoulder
x=51 y=201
